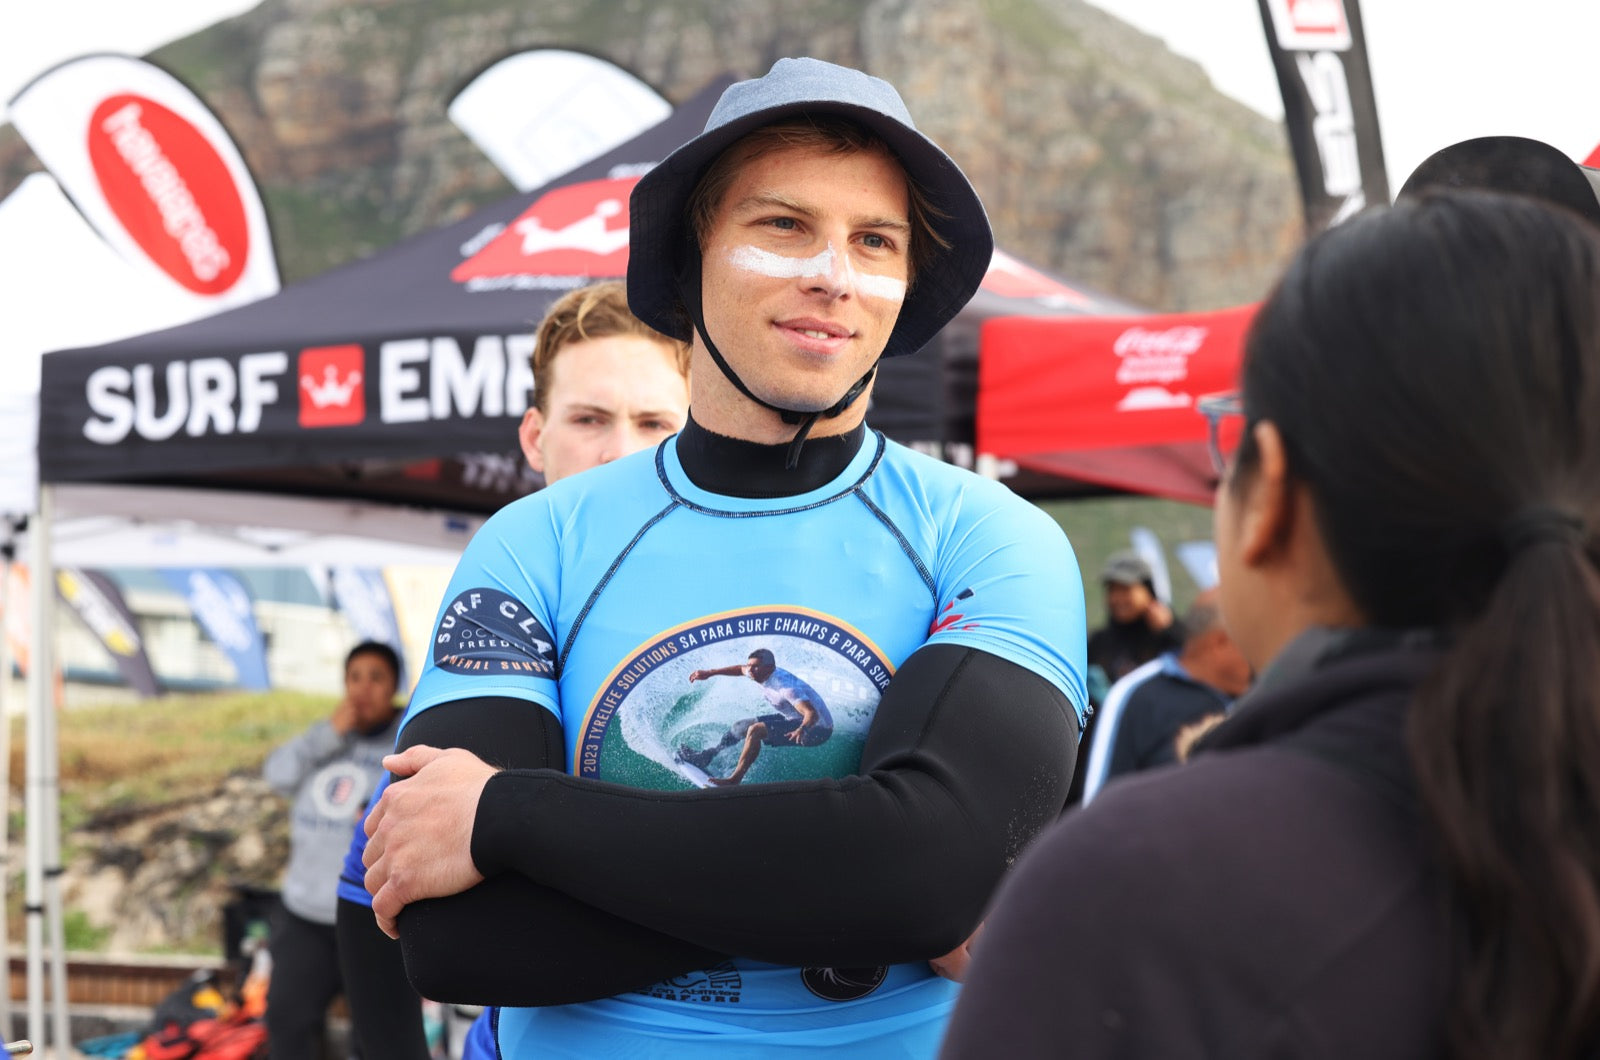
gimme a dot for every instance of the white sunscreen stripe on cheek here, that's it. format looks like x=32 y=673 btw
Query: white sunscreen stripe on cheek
x=766 y=263
x=886 y=287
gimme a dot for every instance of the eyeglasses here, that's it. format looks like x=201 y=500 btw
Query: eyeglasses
x=1216 y=408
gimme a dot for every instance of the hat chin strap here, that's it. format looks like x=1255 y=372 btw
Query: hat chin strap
x=689 y=287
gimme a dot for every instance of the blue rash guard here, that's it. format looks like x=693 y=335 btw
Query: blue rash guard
x=597 y=597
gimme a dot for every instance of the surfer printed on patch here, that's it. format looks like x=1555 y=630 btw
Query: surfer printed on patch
x=486 y=631
x=753 y=696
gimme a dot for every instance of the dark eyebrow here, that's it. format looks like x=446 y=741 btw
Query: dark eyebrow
x=895 y=223
x=769 y=200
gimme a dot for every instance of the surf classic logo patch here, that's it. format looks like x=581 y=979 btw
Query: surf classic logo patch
x=486 y=631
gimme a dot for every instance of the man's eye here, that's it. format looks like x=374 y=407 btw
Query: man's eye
x=875 y=241
x=788 y=224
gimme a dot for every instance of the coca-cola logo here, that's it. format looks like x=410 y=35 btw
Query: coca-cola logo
x=1156 y=356
x=171 y=191
x=1180 y=341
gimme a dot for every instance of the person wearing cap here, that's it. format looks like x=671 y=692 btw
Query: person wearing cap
x=572 y=870
x=1139 y=627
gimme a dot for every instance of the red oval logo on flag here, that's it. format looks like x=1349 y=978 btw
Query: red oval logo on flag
x=171 y=190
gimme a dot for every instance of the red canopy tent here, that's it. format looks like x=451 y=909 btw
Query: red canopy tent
x=1108 y=399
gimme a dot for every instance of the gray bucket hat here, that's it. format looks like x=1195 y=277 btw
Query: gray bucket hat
x=1514 y=164
x=661 y=233
x=1127 y=568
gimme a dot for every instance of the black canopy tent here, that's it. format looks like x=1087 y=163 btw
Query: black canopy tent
x=400 y=378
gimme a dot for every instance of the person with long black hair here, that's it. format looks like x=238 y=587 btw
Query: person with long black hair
x=1392 y=847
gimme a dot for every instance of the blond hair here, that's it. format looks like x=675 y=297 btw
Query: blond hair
x=594 y=312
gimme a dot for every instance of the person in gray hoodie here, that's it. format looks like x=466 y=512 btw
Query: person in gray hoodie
x=330 y=772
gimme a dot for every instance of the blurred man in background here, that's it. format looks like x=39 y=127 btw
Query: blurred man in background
x=1139 y=626
x=1138 y=725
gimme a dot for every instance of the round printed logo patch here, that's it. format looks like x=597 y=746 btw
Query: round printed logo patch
x=339 y=791
x=760 y=695
x=843 y=984
x=486 y=631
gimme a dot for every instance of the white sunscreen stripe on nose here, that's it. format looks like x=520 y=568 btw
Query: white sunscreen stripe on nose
x=766 y=263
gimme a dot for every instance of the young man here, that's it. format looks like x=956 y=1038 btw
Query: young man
x=329 y=771
x=1139 y=627
x=605 y=384
x=809 y=231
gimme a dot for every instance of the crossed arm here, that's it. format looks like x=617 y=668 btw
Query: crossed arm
x=968 y=757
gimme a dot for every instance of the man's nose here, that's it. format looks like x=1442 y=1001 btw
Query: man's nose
x=832 y=274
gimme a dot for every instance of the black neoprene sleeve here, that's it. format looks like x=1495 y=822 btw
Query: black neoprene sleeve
x=493 y=945
x=385 y=1012
x=968 y=757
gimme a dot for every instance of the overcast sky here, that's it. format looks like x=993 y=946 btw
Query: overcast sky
x=1442 y=72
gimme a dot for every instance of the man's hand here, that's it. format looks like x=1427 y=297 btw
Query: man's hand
x=344 y=717
x=1158 y=616
x=699 y=675
x=420 y=833
x=953 y=965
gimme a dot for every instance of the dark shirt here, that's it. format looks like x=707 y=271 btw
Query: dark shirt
x=1271 y=898
x=1118 y=648
x=1153 y=714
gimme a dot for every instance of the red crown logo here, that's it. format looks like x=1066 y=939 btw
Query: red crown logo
x=331 y=394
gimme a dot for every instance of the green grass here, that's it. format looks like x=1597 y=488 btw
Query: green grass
x=80 y=934
x=167 y=749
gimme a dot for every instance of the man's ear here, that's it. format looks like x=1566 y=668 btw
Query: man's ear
x=1268 y=504
x=528 y=433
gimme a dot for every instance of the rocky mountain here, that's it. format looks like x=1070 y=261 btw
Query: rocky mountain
x=1100 y=154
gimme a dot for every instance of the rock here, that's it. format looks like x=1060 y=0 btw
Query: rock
x=1099 y=153
x=157 y=878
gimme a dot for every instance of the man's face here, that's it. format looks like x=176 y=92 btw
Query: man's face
x=608 y=397
x=1127 y=603
x=804 y=271
x=757 y=669
x=369 y=684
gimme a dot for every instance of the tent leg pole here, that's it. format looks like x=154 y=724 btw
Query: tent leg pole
x=54 y=916
x=7 y=1030
x=40 y=583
